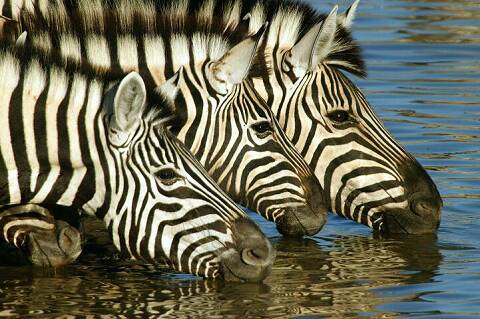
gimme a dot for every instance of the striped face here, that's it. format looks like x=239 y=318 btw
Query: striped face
x=168 y=208
x=100 y=147
x=237 y=139
x=367 y=176
x=171 y=211
x=221 y=119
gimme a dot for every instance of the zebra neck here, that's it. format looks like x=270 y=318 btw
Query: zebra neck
x=53 y=137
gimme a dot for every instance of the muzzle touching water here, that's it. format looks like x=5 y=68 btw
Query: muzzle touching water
x=307 y=219
x=422 y=216
x=252 y=258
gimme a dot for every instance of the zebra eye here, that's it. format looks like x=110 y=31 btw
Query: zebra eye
x=167 y=175
x=339 y=116
x=262 y=128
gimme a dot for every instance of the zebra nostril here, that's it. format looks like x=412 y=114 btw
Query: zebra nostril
x=252 y=257
x=255 y=257
x=301 y=221
x=423 y=207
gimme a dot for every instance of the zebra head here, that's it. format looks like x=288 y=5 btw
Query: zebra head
x=366 y=175
x=165 y=206
x=234 y=134
x=221 y=119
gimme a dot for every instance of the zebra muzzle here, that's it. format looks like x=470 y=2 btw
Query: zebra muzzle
x=252 y=258
x=301 y=221
x=307 y=219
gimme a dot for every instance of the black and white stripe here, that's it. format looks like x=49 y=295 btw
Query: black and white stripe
x=222 y=119
x=366 y=175
x=298 y=73
x=99 y=146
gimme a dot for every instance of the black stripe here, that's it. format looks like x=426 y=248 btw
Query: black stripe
x=63 y=145
x=86 y=188
x=17 y=134
x=40 y=129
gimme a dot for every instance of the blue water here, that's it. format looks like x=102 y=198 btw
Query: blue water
x=423 y=59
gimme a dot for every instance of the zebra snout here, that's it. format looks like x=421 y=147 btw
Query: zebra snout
x=252 y=258
x=309 y=218
x=422 y=215
x=301 y=221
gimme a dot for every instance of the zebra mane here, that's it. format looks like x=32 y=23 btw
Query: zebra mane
x=290 y=20
x=159 y=107
x=169 y=21
x=219 y=23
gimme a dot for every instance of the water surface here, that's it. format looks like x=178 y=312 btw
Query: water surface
x=423 y=59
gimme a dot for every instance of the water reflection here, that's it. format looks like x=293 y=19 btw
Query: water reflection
x=436 y=21
x=342 y=280
x=424 y=81
x=338 y=276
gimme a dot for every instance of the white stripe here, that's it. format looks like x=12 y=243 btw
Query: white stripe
x=34 y=84
x=127 y=53
x=180 y=57
x=77 y=98
x=155 y=58
x=9 y=77
x=95 y=96
x=37 y=223
x=98 y=52
x=70 y=48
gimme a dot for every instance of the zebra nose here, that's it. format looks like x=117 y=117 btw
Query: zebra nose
x=309 y=218
x=422 y=215
x=253 y=257
x=258 y=256
x=427 y=207
x=300 y=221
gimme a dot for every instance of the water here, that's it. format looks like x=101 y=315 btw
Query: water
x=424 y=80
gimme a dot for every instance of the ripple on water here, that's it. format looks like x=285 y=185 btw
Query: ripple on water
x=424 y=80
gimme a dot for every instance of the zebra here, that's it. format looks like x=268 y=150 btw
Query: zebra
x=99 y=145
x=221 y=118
x=365 y=174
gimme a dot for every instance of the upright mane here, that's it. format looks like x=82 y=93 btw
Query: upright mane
x=214 y=25
x=290 y=20
x=157 y=110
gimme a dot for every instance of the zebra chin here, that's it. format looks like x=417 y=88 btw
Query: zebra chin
x=307 y=219
x=252 y=258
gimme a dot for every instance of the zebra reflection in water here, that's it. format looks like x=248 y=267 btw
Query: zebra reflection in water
x=306 y=280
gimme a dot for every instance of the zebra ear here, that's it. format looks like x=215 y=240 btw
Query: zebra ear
x=346 y=19
x=170 y=88
x=21 y=39
x=234 y=66
x=128 y=105
x=314 y=46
